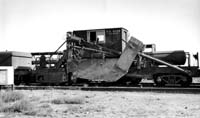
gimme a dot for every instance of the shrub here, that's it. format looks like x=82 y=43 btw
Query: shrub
x=65 y=100
x=85 y=109
x=44 y=110
x=12 y=101
x=73 y=109
x=11 y=96
x=18 y=106
x=1 y=103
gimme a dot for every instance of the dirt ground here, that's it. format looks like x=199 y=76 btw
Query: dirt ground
x=112 y=105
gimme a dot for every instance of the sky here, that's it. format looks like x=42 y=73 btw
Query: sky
x=41 y=25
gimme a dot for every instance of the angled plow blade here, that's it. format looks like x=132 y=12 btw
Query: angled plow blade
x=110 y=69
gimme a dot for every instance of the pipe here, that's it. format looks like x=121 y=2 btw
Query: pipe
x=162 y=62
x=157 y=60
x=91 y=49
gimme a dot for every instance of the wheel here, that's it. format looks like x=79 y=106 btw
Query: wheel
x=70 y=78
x=172 y=79
x=17 y=80
x=63 y=84
x=158 y=80
x=128 y=81
x=186 y=82
x=40 y=78
x=27 y=79
x=136 y=81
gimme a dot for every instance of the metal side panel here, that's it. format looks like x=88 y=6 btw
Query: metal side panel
x=95 y=69
x=109 y=69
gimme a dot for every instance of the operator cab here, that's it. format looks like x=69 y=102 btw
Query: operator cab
x=111 y=38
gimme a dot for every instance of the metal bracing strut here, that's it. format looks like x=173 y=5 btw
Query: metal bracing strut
x=162 y=62
x=157 y=60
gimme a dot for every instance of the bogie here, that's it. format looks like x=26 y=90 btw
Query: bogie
x=172 y=79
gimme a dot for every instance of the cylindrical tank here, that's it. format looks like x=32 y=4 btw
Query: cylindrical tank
x=173 y=57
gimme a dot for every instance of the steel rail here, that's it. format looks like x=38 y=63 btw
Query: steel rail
x=193 y=90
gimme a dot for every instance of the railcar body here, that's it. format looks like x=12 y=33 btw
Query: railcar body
x=163 y=67
x=102 y=55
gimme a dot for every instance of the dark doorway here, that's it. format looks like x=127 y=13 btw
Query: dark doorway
x=93 y=37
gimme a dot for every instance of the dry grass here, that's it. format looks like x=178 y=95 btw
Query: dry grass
x=19 y=106
x=68 y=100
x=12 y=101
x=44 y=110
x=1 y=102
x=78 y=109
x=11 y=96
x=89 y=104
x=17 y=102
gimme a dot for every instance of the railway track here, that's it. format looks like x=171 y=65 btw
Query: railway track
x=194 y=88
x=143 y=87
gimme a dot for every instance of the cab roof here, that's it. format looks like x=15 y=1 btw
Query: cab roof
x=102 y=29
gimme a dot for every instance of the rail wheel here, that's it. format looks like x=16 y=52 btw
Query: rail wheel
x=17 y=80
x=136 y=81
x=186 y=82
x=172 y=79
x=158 y=80
x=128 y=81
